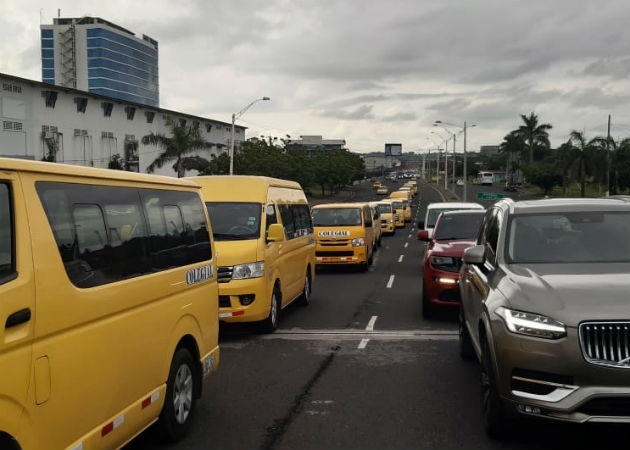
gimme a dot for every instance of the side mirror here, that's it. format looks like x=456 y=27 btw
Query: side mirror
x=420 y=225
x=475 y=254
x=275 y=233
x=423 y=235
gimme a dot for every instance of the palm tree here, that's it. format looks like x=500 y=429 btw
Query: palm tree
x=512 y=145
x=183 y=141
x=583 y=151
x=533 y=134
x=565 y=158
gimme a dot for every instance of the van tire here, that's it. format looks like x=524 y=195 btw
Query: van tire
x=270 y=324
x=179 y=404
x=305 y=298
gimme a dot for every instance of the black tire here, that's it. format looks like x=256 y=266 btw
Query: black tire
x=427 y=309
x=466 y=350
x=181 y=398
x=305 y=298
x=270 y=324
x=497 y=419
x=371 y=258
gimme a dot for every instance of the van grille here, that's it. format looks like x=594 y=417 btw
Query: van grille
x=224 y=274
x=606 y=343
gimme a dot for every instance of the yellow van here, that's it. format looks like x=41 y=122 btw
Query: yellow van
x=386 y=216
x=344 y=233
x=376 y=225
x=399 y=212
x=265 y=246
x=108 y=296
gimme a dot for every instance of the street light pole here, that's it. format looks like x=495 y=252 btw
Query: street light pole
x=234 y=117
x=464 y=128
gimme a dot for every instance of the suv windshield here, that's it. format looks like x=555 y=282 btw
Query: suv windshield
x=575 y=237
x=458 y=226
x=384 y=209
x=234 y=221
x=435 y=213
x=336 y=217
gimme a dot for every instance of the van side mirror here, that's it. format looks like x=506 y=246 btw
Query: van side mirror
x=420 y=225
x=275 y=233
x=423 y=235
x=475 y=254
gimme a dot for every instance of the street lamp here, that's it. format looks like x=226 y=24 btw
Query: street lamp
x=234 y=117
x=454 y=135
x=464 y=128
x=445 y=157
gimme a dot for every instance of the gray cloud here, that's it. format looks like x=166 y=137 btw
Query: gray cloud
x=362 y=112
x=613 y=67
x=400 y=117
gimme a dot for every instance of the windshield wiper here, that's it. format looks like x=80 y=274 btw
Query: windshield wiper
x=232 y=237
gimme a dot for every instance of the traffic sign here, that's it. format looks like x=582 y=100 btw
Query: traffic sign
x=489 y=196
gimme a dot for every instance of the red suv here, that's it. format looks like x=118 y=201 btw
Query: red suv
x=454 y=232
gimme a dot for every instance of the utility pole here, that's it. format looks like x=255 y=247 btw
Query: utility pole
x=454 y=159
x=446 y=164
x=465 y=168
x=608 y=159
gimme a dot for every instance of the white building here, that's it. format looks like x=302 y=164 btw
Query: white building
x=313 y=142
x=87 y=129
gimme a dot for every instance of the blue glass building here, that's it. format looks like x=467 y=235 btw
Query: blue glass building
x=98 y=56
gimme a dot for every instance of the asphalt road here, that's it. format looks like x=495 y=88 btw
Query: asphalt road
x=324 y=381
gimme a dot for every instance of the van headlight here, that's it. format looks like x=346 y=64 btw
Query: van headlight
x=358 y=242
x=390 y=221
x=249 y=270
x=531 y=324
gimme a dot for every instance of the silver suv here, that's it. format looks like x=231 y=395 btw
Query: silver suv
x=546 y=309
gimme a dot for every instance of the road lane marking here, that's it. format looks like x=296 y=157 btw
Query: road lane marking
x=406 y=244
x=401 y=258
x=363 y=343
x=408 y=237
x=370 y=325
x=354 y=335
x=390 y=283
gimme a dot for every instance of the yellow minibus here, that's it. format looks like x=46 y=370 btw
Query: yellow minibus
x=386 y=216
x=266 y=250
x=109 y=300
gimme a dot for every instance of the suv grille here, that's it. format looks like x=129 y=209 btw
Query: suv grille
x=224 y=274
x=606 y=343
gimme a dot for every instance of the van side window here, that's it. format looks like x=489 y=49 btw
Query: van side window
x=303 y=222
x=367 y=217
x=287 y=221
x=7 y=250
x=106 y=233
x=271 y=216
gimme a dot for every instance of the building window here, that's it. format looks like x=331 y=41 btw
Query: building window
x=130 y=111
x=150 y=115
x=47 y=34
x=81 y=104
x=11 y=88
x=182 y=122
x=51 y=98
x=107 y=108
x=11 y=126
x=208 y=127
x=48 y=43
x=48 y=53
x=48 y=73
x=48 y=63
x=195 y=124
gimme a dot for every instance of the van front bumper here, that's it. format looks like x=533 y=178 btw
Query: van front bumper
x=353 y=255
x=236 y=304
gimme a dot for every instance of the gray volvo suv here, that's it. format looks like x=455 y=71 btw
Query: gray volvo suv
x=546 y=310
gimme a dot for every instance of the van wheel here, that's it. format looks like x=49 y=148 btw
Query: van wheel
x=179 y=404
x=305 y=298
x=270 y=324
x=466 y=350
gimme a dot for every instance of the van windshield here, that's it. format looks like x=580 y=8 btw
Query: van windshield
x=571 y=237
x=397 y=205
x=435 y=213
x=336 y=217
x=384 y=209
x=232 y=221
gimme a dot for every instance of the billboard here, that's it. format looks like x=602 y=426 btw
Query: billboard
x=393 y=149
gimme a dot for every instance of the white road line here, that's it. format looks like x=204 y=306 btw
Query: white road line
x=401 y=258
x=363 y=343
x=370 y=325
x=406 y=244
x=390 y=283
x=409 y=236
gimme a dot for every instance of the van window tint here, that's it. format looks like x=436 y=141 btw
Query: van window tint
x=7 y=263
x=106 y=233
x=302 y=216
x=337 y=217
x=288 y=222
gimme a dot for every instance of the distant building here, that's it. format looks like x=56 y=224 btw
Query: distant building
x=94 y=55
x=379 y=161
x=489 y=150
x=317 y=143
x=78 y=127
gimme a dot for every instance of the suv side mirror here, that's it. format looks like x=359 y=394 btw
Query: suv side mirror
x=475 y=254
x=423 y=235
x=275 y=233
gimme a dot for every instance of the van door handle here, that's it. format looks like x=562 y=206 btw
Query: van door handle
x=18 y=317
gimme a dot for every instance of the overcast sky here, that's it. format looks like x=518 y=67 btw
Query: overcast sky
x=370 y=71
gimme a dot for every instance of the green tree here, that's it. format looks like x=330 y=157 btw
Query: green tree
x=534 y=135
x=184 y=140
x=583 y=151
x=564 y=159
x=543 y=175
x=512 y=147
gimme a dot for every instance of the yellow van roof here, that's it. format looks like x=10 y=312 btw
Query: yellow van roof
x=88 y=172
x=240 y=187
x=339 y=205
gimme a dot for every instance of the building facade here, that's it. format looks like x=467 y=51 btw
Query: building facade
x=67 y=125
x=94 y=55
x=317 y=143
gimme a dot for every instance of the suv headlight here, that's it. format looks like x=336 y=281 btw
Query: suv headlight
x=358 y=242
x=531 y=324
x=445 y=263
x=249 y=270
